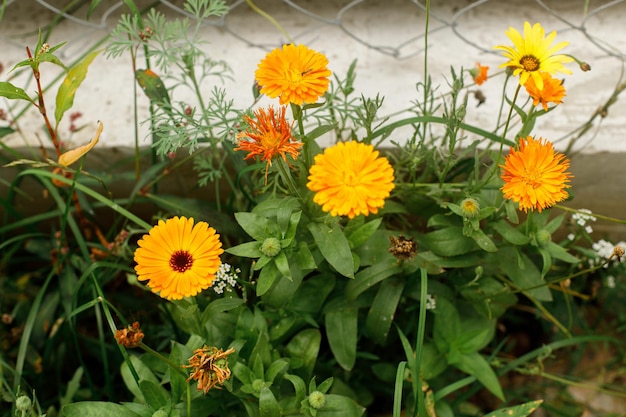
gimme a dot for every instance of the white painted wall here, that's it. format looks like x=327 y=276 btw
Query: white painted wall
x=462 y=32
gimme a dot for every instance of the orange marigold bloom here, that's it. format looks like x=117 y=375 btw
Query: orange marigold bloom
x=479 y=74
x=271 y=136
x=209 y=367
x=294 y=73
x=177 y=258
x=553 y=91
x=350 y=179
x=535 y=175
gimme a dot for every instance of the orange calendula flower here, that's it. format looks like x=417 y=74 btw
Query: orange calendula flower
x=294 y=73
x=350 y=179
x=533 y=54
x=177 y=258
x=209 y=366
x=270 y=136
x=553 y=91
x=535 y=175
x=479 y=73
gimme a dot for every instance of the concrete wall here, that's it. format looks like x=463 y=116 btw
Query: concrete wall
x=387 y=38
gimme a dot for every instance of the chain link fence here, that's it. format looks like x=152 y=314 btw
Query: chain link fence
x=387 y=36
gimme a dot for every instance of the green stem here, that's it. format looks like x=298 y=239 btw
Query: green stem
x=597 y=216
x=496 y=164
x=285 y=174
x=420 y=405
x=271 y=19
x=160 y=357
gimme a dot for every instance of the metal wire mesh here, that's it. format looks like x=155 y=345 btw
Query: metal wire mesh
x=309 y=17
x=382 y=33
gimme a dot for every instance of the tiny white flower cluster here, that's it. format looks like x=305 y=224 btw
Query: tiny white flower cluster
x=431 y=302
x=225 y=279
x=604 y=250
x=581 y=218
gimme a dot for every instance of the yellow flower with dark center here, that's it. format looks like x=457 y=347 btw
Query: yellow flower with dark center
x=350 y=179
x=294 y=73
x=209 y=366
x=533 y=54
x=535 y=175
x=177 y=258
x=270 y=135
x=553 y=91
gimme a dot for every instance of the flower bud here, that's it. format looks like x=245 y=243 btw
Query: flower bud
x=23 y=403
x=585 y=66
x=543 y=237
x=317 y=400
x=470 y=208
x=270 y=247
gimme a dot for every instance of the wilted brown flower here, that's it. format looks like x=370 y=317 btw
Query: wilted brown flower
x=402 y=248
x=618 y=252
x=130 y=337
x=209 y=367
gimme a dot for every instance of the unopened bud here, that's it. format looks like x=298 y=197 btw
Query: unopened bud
x=270 y=247
x=317 y=400
x=23 y=403
x=585 y=66
x=470 y=208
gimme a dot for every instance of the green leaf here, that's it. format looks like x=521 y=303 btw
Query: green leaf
x=67 y=90
x=483 y=241
x=153 y=86
x=478 y=367
x=367 y=278
x=282 y=264
x=340 y=406
x=268 y=276
x=303 y=350
x=144 y=372
x=12 y=92
x=559 y=252
x=510 y=234
x=383 y=309
x=341 y=329
x=522 y=271
x=179 y=354
x=268 y=406
x=447 y=325
x=92 y=7
x=155 y=395
x=298 y=385
x=220 y=305
x=5 y=131
x=278 y=367
x=310 y=296
x=319 y=131
x=334 y=246
x=96 y=409
x=246 y=250
x=449 y=242
x=555 y=223
x=363 y=233
x=521 y=410
x=258 y=227
x=50 y=57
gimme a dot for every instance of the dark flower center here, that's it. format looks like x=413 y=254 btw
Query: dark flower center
x=530 y=63
x=181 y=261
